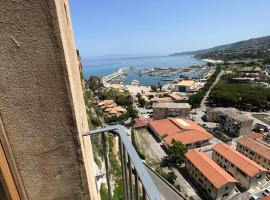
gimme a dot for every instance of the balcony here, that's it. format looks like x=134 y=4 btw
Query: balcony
x=136 y=180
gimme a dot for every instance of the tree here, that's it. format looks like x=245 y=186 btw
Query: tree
x=132 y=113
x=177 y=152
x=142 y=101
x=153 y=88
x=159 y=86
x=94 y=83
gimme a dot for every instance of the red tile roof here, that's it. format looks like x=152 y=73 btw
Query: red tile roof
x=179 y=129
x=175 y=96
x=141 y=122
x=266 y=198
x=255 y=135
x=248 y=166
x=255 y=146
x=211 y=170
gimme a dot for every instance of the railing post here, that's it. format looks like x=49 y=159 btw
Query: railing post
x=122 y=152
x=105 y=154
x=130 y=178
x=126 y=172
x=137 y=186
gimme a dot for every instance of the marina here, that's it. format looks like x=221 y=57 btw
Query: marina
x=162 y=75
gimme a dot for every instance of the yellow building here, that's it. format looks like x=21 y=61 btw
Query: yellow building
x=184 y=86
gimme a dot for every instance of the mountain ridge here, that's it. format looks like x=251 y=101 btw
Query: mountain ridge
x=250 y=43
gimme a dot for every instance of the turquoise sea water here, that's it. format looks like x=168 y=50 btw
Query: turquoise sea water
x=103 y=67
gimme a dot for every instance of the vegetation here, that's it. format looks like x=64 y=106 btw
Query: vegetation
x=131 y=113
x=196 y=99
x=177 y=152
x=94 y=83
x=104 y=195
x=170 y=176
x=153 y=88
x=121 y=98
x=115 y=170
x=241 y=96
x=263 y=117
x=141 y=100
x=134 y=142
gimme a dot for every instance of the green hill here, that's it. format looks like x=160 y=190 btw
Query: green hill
x=242 y=46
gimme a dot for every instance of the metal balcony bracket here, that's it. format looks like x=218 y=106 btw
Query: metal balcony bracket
x=133 y=168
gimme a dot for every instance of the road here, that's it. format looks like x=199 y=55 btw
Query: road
x=200 y=111
x=167 y=192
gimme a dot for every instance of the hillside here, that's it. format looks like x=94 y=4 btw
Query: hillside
x=255 y=43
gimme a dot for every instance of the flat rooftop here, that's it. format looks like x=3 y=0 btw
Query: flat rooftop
x=232 y=112
x=185 y=131
x=186 y=83
x=245 y=164
x=171 y=105
x=210 y=169
x=255 y=146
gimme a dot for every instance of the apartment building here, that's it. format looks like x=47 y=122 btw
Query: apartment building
x=185 y=131
x=247 y=172
x=231 y=120
x=257 y=150
x=213 y=180
x=171 y=109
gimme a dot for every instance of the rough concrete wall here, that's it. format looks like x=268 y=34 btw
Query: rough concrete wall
x=41 y=99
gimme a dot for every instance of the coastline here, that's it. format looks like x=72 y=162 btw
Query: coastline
x=213 y=61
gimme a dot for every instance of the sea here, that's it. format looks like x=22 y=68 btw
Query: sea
x=106 y=66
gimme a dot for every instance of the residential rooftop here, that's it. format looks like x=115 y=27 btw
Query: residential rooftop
x=210 y=169
x=141 y=122
x=171 y=105
x=232 y=112
x=255 y=146
x=186 y=83
x=242 y=162
x=180 y=129
x=175 y=97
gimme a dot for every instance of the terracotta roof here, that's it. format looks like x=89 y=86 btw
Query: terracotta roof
x=255 y=146
x=211 y=170
x=255 y=135
x=105 y=102
x=179 y=129
x=248 y=166
x=141 y=122
x=266 y=198
x=161 y=100
x=188 y=137
x=175 y=96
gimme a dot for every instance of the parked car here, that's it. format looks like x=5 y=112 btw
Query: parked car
x=254 y=197
x=266 y=192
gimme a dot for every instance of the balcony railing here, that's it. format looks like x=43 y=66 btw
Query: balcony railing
x=136 y=180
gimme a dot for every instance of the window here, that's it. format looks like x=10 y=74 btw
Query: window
x=251 y=153
x=224 y=195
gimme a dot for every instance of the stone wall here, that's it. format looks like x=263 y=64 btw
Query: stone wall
x=41 y=101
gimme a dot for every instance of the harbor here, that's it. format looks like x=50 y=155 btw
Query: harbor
x=157 y=75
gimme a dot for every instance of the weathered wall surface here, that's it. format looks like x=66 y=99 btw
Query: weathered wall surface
x=41 y=100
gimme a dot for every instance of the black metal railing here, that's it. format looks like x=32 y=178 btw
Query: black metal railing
x=137 y=182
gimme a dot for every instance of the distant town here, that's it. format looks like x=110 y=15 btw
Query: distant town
x=206 y=136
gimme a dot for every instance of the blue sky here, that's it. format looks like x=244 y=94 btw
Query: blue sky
x=161 y=27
